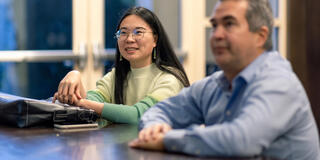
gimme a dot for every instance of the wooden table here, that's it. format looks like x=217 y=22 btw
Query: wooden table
x=51 y=144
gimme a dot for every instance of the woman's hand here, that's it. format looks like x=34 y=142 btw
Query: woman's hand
x=70 y=89
x=74 y=100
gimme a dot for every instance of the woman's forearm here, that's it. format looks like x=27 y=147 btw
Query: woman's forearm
x=96 y=106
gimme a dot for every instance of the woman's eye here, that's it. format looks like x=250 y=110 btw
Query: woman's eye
x=123 y=32
x=138 y=32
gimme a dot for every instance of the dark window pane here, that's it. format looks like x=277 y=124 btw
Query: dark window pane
x=34 y=25
x=275 y=38
x=113 y=12
x=210 y=62
x=49 y=24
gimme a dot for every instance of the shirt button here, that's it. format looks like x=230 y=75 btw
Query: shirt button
x=174 y=148
x=197 y=151
x=228 y=113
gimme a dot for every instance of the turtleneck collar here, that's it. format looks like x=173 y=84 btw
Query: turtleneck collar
x=143 y=71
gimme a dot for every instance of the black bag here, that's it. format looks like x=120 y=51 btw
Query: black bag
x=25 y=112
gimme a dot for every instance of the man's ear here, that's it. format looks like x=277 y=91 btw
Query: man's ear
x=262 y=36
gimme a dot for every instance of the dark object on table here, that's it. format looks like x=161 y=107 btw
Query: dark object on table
x=26 y=112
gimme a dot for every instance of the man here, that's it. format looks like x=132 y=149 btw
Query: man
x=254 y=106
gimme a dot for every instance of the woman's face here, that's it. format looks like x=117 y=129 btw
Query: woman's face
x=136 y=41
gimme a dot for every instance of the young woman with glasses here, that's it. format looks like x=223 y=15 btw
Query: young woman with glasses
x=146 y=71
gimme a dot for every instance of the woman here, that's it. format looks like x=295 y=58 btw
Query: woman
x=146 y=71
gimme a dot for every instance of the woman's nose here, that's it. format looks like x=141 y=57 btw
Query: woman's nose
x=130 y=37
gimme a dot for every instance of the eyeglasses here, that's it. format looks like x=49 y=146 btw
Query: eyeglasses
x=137 y=34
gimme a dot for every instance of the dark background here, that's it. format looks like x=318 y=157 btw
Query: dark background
x=304 y=47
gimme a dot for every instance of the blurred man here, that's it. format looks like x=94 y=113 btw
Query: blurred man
x=254 y=106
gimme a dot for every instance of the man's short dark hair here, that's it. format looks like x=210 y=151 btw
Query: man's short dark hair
x=259 y=13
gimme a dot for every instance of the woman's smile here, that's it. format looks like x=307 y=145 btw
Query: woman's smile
x=131 y=50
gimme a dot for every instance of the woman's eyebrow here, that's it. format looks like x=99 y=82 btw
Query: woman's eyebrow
x=123 y=28
x=126 y=28
x=140 y=28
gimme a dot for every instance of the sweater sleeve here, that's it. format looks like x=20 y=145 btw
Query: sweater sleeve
x=104 y=89
x=119 y=113
x=165 y=86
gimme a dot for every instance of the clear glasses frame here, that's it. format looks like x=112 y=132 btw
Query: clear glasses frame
x=137 y=34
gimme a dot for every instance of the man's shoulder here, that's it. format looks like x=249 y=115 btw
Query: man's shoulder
x=275 y=72
x=274 y=67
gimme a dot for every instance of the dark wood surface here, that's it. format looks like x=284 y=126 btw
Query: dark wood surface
x=304 y=48
x=107 y=143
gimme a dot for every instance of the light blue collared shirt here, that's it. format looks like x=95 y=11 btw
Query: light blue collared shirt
x=265 y=113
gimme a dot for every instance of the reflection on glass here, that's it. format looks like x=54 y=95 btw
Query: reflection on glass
x=275 y=38
x=7 y=42
x=210 y=62
x=34 y=25
x=275 y=7
x=7 y=26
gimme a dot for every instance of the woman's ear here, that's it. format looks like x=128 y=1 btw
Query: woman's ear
x=155 y=38
x=262 y=36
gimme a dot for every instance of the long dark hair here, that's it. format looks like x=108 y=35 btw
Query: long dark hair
x=165 y=60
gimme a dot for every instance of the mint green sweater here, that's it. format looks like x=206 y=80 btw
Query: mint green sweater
x=145 y=87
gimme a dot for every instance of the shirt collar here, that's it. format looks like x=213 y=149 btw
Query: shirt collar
x=246 y=75
x=250 y=71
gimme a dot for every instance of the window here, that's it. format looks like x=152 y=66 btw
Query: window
x=74 y=29
x=34 y=25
